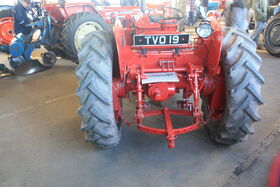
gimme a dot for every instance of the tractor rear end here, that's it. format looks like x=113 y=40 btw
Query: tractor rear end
x=215 y=76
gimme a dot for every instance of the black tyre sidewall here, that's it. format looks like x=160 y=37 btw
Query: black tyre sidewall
x=275 y=51
x=74 y=24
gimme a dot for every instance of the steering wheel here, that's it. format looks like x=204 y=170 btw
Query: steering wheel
x=165 y=15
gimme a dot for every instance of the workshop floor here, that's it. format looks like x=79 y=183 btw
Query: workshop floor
x=41 y=144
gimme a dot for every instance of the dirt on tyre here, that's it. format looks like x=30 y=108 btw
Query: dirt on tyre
x=241 y=65
x=95 y=76
x=272 y=36
x=77 y=27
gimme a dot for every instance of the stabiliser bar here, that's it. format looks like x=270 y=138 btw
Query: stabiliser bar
x=169 y=131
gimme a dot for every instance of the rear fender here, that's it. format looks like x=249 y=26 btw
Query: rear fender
x=121 y=46
x=63 y=13
x=216 y=100
x=215 y=48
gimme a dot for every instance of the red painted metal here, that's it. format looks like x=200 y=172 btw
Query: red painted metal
x=189 y=54
x=6 y=30
x=161 y=91
x=61 y=12
x=111 y=13
x=274 y=174
x=197 y=66
x=169 y=131
x=222 y=3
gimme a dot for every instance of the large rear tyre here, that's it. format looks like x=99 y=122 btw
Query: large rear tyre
x=272 y=36
x=77 y=27
x=95 y=72
x=57 y=47
x=241 y=66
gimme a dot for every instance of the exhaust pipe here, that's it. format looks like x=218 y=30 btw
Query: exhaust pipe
x=143 y=6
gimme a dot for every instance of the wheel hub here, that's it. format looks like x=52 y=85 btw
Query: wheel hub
x=275 y=35
x=83 y=30
x=6 y=30
x=49 y=59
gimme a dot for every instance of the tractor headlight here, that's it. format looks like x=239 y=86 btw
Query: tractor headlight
x=204 y=30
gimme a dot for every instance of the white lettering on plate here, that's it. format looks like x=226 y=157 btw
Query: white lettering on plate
x=175 y=39
x=154 y=40
x=148 y=39
x=162 y=39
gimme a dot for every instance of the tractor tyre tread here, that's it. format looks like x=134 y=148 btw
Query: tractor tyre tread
x=94 y=73
x=241 y=66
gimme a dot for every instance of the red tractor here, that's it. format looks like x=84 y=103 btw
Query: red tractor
x=214 y=74
x=73 y=21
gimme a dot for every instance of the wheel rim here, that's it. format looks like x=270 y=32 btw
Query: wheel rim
x=275 y=35
x=6 y=30
x=83 y=30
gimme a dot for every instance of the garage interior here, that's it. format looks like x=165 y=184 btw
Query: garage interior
x=41 y=143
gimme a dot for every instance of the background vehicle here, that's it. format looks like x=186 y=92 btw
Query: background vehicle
x=149 y=58
x=273 y=6
x=71 y=22
x=22 y=46
x=272 y=33
x=6 y=27
x=217 y=4
x=213 y=6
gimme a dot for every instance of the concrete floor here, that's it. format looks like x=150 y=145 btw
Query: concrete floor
x=41 y=144
x=257 y=173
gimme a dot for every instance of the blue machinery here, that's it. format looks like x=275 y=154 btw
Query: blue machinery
x=22 y=46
